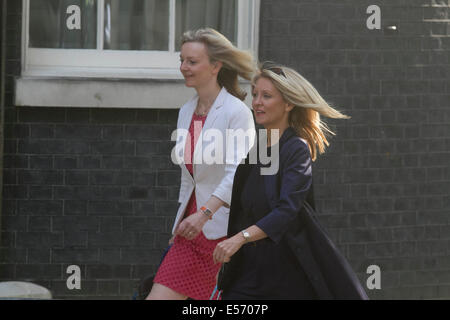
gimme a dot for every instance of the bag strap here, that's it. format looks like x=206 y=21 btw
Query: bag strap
x=214 y=292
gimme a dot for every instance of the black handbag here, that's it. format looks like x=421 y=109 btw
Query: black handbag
x=221 y=279
x=145 y=286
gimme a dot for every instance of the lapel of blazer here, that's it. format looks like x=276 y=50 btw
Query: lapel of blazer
x=240 y=177
x=272 y=182
x=185 y=122
x=187 y=117
x=214 y=112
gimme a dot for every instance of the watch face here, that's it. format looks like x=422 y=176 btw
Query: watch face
x=246 y=235
x=206 y=211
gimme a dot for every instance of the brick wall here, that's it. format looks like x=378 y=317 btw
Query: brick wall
x=89 y=187
x=96 y=188
x=383 y=187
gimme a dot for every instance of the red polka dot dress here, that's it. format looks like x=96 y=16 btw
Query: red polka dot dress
x=188 y=267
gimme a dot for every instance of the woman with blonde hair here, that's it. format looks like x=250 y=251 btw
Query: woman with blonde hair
x=270 y=253
x=211 y=65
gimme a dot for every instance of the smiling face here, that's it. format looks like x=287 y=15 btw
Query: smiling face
x=269 y=107
x=195 y=65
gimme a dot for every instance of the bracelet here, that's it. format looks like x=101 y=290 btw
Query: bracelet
x=207 y=212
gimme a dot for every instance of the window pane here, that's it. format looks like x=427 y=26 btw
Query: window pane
x=218 y=14
x=63 y=24
x=136 y=25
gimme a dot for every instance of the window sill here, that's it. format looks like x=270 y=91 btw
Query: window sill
x=105 y=93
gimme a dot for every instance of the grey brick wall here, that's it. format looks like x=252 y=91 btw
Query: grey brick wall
x=383 y=186
x=89 y=187
x=96 y=188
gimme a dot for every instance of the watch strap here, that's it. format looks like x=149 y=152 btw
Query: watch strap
x=207 y=212
x=246 y=235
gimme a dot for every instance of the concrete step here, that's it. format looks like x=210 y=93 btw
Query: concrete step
x=18 y=290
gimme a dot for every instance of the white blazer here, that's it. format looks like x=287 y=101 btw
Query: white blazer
x=213 y=168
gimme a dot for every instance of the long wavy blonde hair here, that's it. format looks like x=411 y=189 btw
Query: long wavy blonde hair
x=308 y=105
x=234 y=61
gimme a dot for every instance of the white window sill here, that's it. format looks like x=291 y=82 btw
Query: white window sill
x=105 y=93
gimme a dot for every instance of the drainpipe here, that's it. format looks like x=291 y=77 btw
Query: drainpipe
x=2 y=101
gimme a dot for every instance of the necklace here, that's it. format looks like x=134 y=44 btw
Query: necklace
x=208 y=103
x=203 y=113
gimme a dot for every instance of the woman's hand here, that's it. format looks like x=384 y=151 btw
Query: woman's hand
x=190 y=227
x=227 y=248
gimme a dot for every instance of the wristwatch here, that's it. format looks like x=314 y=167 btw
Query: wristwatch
x=246 y=235
x=207 y=212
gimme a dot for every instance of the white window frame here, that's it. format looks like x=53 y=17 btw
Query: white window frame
x=98 y=63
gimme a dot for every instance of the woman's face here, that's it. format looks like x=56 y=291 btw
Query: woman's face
x=270 y=110
x=195 y=66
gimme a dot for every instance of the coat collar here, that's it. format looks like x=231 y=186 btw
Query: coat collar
x=287 y=134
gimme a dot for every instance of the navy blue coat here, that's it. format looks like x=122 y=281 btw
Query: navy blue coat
x=290 y=194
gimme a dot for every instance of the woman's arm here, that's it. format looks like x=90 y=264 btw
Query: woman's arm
x=227 y=248
x=295 y=183
x=241 y=121
x=190 y=227
x=294 y=186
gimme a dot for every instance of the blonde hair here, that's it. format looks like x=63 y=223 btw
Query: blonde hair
x=234 y=61
x=307 y=102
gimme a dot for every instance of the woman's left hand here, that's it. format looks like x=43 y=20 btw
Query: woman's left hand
x=190 y=227
x=227 y=248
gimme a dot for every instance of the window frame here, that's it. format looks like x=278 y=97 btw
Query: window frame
x=99 y=63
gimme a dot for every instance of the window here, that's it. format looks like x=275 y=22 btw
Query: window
x=124 y=38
